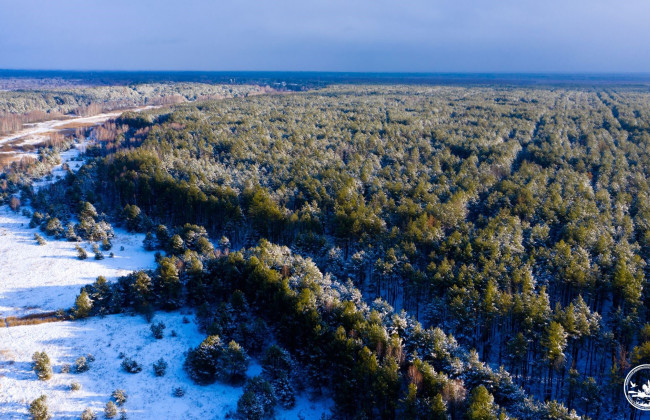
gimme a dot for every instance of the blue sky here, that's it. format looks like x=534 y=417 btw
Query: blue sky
x=327 y=35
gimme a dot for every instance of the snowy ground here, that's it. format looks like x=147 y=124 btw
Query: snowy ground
x=41 y=278
x=150 y=397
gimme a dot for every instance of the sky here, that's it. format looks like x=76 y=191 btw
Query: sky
x=327 y=35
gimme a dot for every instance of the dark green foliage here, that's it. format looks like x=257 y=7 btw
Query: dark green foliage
x=160 y=367
x=157 y=329
x=213 y=360
x=258 y=400
x=481 y=405
x=82 y=305
x=131 y=366
x=514 y=219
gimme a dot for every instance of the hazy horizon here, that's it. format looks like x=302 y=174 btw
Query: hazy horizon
x=421 y=36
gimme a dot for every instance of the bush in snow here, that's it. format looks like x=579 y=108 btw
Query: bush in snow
x=81 y=253
x=106 y=244
x=119 y=396
x=110 y=411
x=65 y=368
x=98 y=252
x=42 y=365
x=75 y=386
x=131 y=365
x=88 y=414
x=70 y=233
x=178 y=392
x=258 y=399
x=157 y=329
x=160 y=367
x=81 y=365
x=38 y=409
x=38 y=238
x=53 y=227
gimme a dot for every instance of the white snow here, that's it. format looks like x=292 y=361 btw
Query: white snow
x=149 y=397
x=41 y=278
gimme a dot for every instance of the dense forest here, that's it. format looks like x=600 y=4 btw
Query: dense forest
x=423 y=252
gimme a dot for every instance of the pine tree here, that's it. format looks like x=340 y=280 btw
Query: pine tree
x=110 y=411
x=88 y=414
x=481 y=405
x=42 y=365
x=234 y=362
x=39 y=410
x=82 y=305
x=81 y=253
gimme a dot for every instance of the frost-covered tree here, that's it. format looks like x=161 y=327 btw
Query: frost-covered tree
x=160 y=367
x=38 y=409
x=119 y=396
x=42 y=366
x=110 y=410
x=88 y=414
x=82 y=305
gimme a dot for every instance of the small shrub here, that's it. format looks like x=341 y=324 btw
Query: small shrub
x=90 y=357
x=131 y=365
x=42 y=365
x=123 y=414
x=75 y=386
x=178 y=392
x=39 y=410
x=65 y=368
x=119 y=396
x=39 y=239
x=106 y=244
x=81 y=253
x=88 y=414
x=111 y=255
x=174 y=334
x=157 y=329
x=160 y=367
x=186 y=320
x=110 y=411
x=98 y=252
x=81 y=365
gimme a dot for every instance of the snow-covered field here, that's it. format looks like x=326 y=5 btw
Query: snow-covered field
x=149 y=397
x=40 y=278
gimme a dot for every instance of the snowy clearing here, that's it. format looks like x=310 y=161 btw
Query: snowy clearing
x=149 y=397
x=41 y=278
